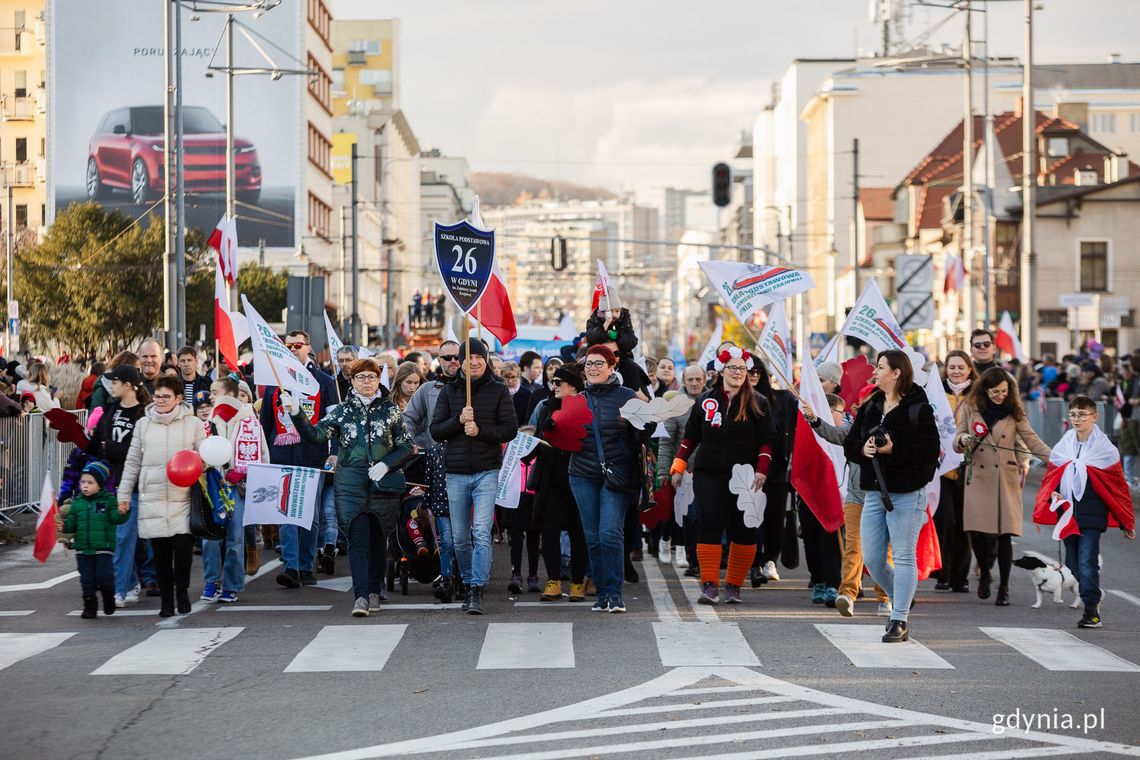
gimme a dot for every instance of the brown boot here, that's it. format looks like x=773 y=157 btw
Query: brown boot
x=252 y=560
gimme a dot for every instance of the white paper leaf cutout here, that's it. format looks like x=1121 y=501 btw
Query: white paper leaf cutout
x=683 y=498
x=750 y=502
x=641 y=413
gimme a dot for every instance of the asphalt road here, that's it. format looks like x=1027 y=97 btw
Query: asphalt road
x=273 y=676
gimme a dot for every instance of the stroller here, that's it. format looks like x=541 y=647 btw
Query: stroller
x=413 y=547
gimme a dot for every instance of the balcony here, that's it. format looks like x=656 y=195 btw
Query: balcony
x=357 y=58
x=15 y=41
x=41 y=31
x=17 y=107
x=41 y=170
x=20 y=174
x=41 y=100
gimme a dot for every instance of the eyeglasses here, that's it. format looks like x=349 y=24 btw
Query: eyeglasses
x=1079 y=415
x=987 y=344
x=366 y=377
x=164 y=397
x=449 y=357
x=596 y=364
x=510 y=377
x=296 y=346
x=735 y=369
x=1000 y=390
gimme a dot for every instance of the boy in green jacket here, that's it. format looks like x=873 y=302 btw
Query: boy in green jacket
x=93 y=518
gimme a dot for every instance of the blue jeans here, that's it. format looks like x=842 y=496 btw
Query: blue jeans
x=299 y=546
x=1082 y=556
x=128 y=570
x=446 y=544
x=95 y=574
x=327 y=515
x=230 y=571
x=603 y=515
x=471 y=500
x=367 y=554
x=897 y=531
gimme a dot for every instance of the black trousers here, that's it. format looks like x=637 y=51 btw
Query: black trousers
x=172 y=558
x=560 y=513
x=96 y=573
x=983 y=544
x=775 y=515
x=716 y=507
x=951 y=537
x=821 y=549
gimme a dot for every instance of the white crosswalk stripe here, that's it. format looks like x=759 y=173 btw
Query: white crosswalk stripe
x=864 y=647
x=342 y=648
x=168 y=652
x=521 y=646
x=1060 y=650
x=20 y=646
x=702 y=644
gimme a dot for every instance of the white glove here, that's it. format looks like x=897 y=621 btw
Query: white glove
x=377 y=471
x=289 y=404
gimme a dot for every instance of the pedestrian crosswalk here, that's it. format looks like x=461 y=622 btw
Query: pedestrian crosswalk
x=368 y=646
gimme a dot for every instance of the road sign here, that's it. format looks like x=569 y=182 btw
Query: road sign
x=816 y=341
x=464 y=255
x=914 y=274
x=915 y=310
x=1074 y=300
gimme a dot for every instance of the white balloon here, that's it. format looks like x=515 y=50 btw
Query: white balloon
x=216 y=451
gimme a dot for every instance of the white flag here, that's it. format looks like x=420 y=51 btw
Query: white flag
x=273 y=363
x=510 y=473
x=775 y=342
x=384 y=379
x=715 y=340
x=450 y=335
x=747 y=288
x=566 y=328
x=605 y=297
x=872 y=322
x=944 y=417
x=281 y=495
x=334 y=341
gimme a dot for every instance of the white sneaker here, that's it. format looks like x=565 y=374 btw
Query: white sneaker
x=845 y=605
x=770 y=571
x=885 y=609
x=679 y=560
x=119 y=603
x=132 y=596
x=663 y=552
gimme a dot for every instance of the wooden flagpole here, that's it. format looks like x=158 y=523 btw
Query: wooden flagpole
x=788 y=385
x=467 y=350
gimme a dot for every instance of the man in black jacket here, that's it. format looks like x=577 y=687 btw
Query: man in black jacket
x=473 y=436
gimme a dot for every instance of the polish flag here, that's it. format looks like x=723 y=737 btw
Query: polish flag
x=495 y=312
x=955 y=273
x=817 y=466
x=604 y=294
x=1073 y=467
x=224 y=240
x=1007 y=340
x=223 y=323
x=46 y=535
x=1066 y=526
x=1119 y=398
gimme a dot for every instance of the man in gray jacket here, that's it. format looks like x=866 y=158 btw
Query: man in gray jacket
x=417 y=416
x=684 y=537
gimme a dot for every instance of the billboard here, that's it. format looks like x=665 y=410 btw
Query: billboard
x=106 y=115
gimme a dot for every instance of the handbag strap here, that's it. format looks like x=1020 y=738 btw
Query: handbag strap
x=597 y=432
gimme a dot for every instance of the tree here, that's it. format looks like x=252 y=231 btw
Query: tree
x=266 y=289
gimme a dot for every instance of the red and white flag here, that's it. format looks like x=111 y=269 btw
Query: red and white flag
x=1073 y=467
x=1006 y=338
x=1066 y=526
x=955 y=273
x=224 y=240
x=46 y=535
x=1119 y=398
x=224 y=331
x=817 y=466
x=605 y=297
x=494 y=308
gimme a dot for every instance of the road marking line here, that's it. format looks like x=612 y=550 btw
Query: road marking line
x=422 y=605
x=20 y=646
x=702 y=645
x=170 y=652
x=1003 y=754
x=525 y=646
x=15 y=613
x=1060 y=650
x=692 y=589
x=42 y=584
x=716 y=704
x=659 y=594
x=864 y=647
x=348 y=648
x=863 y=746
x=556 y=605
x=344 y=583
x=119 y=613
x=275 y=608
x=1124 y=596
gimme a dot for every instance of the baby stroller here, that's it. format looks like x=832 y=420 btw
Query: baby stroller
x=413 y=547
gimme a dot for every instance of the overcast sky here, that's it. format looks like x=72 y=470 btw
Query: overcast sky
x=635 y=93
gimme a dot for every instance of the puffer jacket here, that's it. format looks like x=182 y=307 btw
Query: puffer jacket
x=367 y=434
x=421 y=408
x=915 y=447
x=494 y=416
x=93 y=520
x=164 y=508
x=620 y=442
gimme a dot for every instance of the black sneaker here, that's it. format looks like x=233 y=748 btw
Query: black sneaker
x=443 y=590
x=896 y=632
x=328 y=560
x=151 y=589
x=631 y=574
x=756 y=577
x=475 y=601
x=307 y=578
x=692 y=571
x=1090 y=620
x=289 y=579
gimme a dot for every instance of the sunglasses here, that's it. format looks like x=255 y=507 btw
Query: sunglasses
x=296 y=346
x=556 y=382
x=987 y=344
x=449 y=357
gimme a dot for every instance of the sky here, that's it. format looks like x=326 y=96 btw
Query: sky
x=634 y=94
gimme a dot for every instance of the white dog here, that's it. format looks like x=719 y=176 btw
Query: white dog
x=1050 y=577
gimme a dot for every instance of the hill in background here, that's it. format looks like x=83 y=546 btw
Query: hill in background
x=501 y=189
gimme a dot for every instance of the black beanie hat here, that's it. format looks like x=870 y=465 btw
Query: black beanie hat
x=476 y=347
x=569 y=373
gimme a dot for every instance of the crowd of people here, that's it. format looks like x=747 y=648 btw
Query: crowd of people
x=451 y=415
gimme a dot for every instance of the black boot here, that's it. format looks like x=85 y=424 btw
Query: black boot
x=289 y=579
x=443 y=590
x=896 y=632
x=328 y=560
x=1002 y=596
x=90 y=607
x=756 y=578
x=167 y=608
x=984 y=585
x=468 y=594
x=475 y=601
x=631 y=574
x=183 y=601
x=108 y=601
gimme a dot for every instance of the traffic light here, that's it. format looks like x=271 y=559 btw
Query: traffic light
x=722 y=184
x=558 y=253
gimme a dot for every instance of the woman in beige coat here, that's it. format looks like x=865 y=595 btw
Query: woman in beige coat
x=167 y=427
x=995 y=474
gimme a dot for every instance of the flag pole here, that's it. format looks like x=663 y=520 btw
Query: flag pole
x=775 y=367
x=467 y=350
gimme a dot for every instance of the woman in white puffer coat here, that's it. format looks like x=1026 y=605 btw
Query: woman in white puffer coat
x=167 y=427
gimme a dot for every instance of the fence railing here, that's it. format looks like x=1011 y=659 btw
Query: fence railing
x=28 y=450
x=1052 y=423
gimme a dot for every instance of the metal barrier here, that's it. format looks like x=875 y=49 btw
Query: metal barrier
x=1052 y=422
x=28 y=450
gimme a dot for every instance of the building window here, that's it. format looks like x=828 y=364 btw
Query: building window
x=21 y=215
x=21 y=83
x=373 y=47
x=321 y=20
x=320 y=84
x=1104 y=123
x=1094 y=266
x=21 y=149
x=1057 y=147
x=338 y=81
x=320 y=150
x=320 y=217
x=380 y=80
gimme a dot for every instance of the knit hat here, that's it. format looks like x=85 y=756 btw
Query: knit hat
x=830 y=371
x=475 y=346
x=201 y=398
x=568 y=373
x=99 y=470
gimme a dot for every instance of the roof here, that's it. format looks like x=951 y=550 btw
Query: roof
x=940 y=171
x=1087 y=76
x=877 y=204
x=1068 y=192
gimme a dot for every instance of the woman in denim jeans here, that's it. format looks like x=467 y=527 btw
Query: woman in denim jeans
x=602 y=508
x=898 y=411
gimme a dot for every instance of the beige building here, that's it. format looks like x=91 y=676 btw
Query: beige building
x=23 y=108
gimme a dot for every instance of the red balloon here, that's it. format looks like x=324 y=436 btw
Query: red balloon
x=184 y=468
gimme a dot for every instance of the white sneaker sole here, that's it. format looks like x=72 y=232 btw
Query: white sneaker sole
x=844 y=604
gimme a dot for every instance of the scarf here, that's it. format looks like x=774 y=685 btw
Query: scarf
x=164 y=418
x=286 y=433
x=959 y=388
x=1077 y=456
x=994 y=413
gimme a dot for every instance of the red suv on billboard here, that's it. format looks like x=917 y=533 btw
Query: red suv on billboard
x=126 y=152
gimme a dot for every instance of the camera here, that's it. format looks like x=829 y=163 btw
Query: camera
x=879 y=435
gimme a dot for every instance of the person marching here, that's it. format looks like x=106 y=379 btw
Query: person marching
x=992 y=430
x=93 y=516
x=732 y=424
x=959 y=376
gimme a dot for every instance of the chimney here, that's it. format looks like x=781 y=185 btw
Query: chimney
x=1078 y=113
x=1114 y=57
x=1115 y=167
x=1019 y=107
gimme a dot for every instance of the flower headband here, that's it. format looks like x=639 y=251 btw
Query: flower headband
x=732 y=353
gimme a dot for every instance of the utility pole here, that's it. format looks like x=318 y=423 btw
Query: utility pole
x=170 y=270
x=383 y=210
x=10 y=223
x=987 y=287
x=968 y=168
x=179 y=188
x=854 y=216
x=355 y=319
x=1028 y=195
